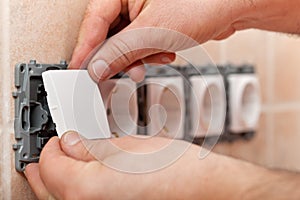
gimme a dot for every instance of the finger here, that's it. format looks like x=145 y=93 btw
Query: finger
x=225 y=34
x=137 y=70
x=98 y=18
x=32 y=174
x=83 y=149
x=160 y=58
x=132 y=45
x=59 y=173
x=71 y=143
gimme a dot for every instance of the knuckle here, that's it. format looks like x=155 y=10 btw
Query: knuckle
x=123 y=52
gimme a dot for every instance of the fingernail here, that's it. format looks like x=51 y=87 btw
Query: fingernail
x=101 y=69
x=166 y=60
x=71 y=138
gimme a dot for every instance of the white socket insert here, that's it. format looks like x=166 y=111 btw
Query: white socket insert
x=75 y=103
x=166 y=106
x=244 y=102
x=208 y=105
x=120 y=100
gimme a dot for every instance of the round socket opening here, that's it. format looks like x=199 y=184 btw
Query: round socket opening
x=212 y=108
x=169 y=101
x=122 y=110
x=250 y=104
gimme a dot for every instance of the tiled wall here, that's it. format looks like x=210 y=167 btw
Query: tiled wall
x=276 y=57
x=42 y=30
x=46 y=31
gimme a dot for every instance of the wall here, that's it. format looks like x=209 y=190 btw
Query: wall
x=46 y=31
x=42 y=30
x=276 y=58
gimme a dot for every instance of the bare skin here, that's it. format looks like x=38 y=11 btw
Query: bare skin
x=68 y=171
x=75 y=174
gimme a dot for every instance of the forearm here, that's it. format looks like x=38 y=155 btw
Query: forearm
x=275 y=184
x=277 y=15
x=230 y=178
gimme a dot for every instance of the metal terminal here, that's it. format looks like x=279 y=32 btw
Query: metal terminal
x=33 y=62
x=63 y=62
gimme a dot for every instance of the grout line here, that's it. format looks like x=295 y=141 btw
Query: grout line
x=223 y=53
x=270 y=55
x=6 y=97
x=281 y=107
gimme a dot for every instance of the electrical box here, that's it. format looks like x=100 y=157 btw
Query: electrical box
x=33 y=123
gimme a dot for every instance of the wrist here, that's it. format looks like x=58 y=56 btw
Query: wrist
x=277 y=15
x=274 y=184
x=214 y=177
x=221 y=177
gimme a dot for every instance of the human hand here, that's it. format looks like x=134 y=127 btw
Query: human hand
x=68 y=171
x=179 y=24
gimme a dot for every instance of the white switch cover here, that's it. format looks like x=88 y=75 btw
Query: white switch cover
x=75 y=103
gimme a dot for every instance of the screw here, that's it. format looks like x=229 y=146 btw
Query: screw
x=63 y=62
x=15 y=147
x=33 y=62
x=15 y=94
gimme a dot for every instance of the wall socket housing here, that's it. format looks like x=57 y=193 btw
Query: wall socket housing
x=211 y=104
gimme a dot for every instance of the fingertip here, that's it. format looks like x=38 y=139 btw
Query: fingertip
x=167 y=58
x=137 y=74
x=172 y=56
x=72 y=144
x=51 y=150
x=53 y=141
x=71 y=65
x=31 y=167
x=70 y=138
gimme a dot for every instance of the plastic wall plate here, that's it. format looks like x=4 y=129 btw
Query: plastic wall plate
x=208 y=105
x=244 y=102
x=166 y=106
x=120 y=100
x=75 y=103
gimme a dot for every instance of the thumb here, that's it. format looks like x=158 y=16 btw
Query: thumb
x=131 y=46
x=80 y=148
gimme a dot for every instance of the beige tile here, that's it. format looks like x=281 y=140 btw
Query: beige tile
x=1 y=94
x=213 y=49
x=1 y=163
x=20 y=188
x=41 y=30
x=222 y=148
x=256 y=150
x=2 y=52
x=287 y=76
x=44 y=30
x=246 y=47
x=249 y=47
x=286 y=140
